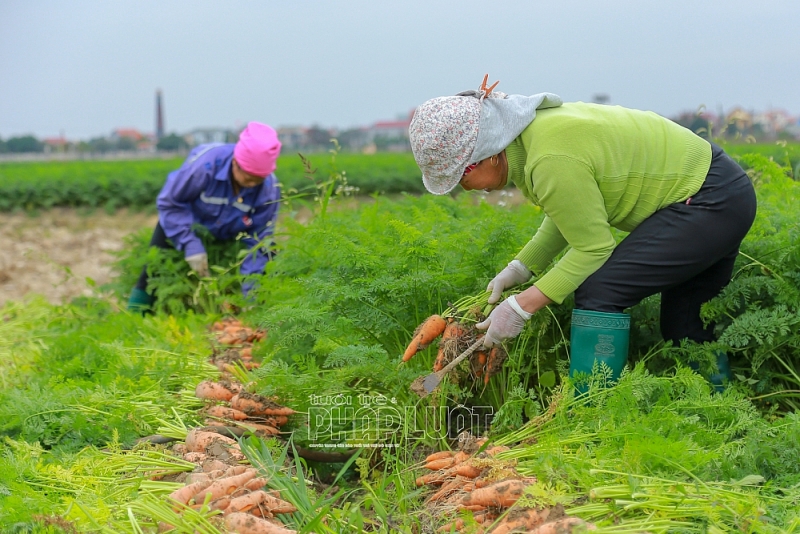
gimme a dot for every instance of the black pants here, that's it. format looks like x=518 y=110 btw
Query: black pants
x=159 y=240
x=685 y=251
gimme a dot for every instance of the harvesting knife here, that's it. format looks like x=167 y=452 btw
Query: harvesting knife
x=430 y=382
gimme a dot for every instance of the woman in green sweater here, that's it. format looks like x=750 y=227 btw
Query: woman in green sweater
x=685 y=203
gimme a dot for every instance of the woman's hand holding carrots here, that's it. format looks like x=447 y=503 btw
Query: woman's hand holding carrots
x=505 y=322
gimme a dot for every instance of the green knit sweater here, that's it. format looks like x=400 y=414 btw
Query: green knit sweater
x=592 y=167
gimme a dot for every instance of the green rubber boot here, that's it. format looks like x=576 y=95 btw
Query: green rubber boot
x=140 y=301
x=598 y=338
x=721 y=378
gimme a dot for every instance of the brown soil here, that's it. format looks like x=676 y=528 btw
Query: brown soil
x=53 y=253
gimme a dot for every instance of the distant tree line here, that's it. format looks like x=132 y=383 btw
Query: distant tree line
x=96 y=145
x=25 y=143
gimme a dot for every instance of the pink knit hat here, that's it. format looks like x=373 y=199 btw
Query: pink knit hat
x=257 y=149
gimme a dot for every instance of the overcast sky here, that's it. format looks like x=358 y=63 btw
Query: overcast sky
x=85 y=67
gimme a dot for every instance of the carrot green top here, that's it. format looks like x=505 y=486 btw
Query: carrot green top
x=592 y=167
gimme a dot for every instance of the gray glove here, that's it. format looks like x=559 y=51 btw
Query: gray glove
x=199 y=264
x=505 y=322
x=513 y=275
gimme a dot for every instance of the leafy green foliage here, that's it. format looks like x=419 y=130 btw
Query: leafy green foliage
x=758 y=313
x=135 y=184
x=650 y=430
x=99 y=374
x=178 y=290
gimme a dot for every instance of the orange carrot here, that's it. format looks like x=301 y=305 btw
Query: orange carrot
x=212 y=391
x=219 y=504
x=261 y=512
x=199 y=440
x=256 y=484
x=435 y=478
x=468 y=471
x=212 y=464
x=276 y=505
x=521 y=520
x=195 y=457
x=459 y=457
x=439 y=456
x=493 y=451
x=227 y=339
x=447 y=489
x=235 y=470
x=486 y=516
x=500 y=494
x=184 y=495
x=436 y=465
x=430 y=329
x=250 y=524
x=456 y=525
x=253 y=404
x=494 y=363
x=224 y=486
x=478 y=362
x=452 y=332
x=191 y=478
x=441 y=359
x=223 y=412
x=246 y=502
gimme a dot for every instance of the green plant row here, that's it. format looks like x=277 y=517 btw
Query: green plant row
x=135 y=184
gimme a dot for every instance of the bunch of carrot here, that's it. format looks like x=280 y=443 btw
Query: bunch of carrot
x=238 y=493
x=231 y=405
x=239 y=338
x=231 y=331
x=456 y=336
x=483 y=489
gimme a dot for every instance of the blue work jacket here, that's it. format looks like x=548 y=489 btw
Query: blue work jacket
x=200 y=191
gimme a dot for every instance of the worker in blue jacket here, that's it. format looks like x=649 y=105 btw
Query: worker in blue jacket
x=228 y=188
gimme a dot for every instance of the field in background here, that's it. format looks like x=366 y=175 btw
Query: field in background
x=135 y=184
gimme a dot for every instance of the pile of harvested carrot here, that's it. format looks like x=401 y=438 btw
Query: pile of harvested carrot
x=231 y=406
x=237 y=491
x=220 y=481
x=483 y=492
x=238 y=339
x=456 y=336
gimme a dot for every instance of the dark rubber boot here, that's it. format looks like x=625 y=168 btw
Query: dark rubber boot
x=140 y=301
x=598 y=338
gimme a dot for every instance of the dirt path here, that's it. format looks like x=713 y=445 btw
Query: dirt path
x=53 y=253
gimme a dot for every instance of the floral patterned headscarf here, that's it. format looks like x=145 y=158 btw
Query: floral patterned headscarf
x=448 y=133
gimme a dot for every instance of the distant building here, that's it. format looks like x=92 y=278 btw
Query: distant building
x=55 y=144
x=126 y=133
x=292 y=137
x=390 y=136
x=773 y=122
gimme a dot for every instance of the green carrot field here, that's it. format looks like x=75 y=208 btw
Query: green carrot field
x=101 y=414
x=135 y=184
